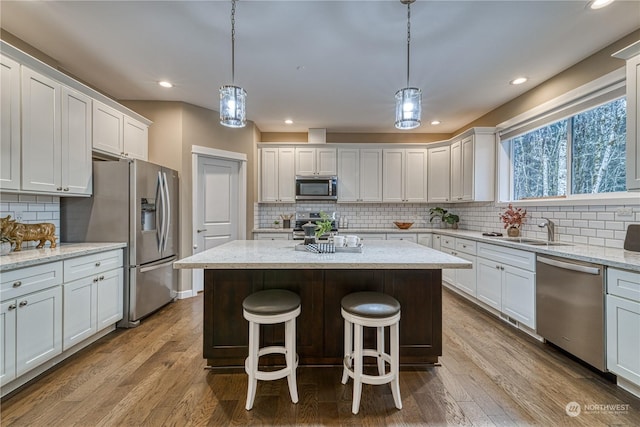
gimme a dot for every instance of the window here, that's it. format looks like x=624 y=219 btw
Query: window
x=581 y=154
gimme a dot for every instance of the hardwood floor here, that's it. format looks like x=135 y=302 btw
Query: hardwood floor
x=490 y=374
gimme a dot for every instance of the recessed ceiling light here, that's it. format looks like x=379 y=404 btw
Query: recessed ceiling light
x=435 y=122
x=165 y=83
x=599 y=4
x=518 y=80
x=288 y=122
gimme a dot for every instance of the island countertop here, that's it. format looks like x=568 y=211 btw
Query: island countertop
x=275 y=254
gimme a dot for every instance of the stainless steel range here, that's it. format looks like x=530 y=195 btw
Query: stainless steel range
x=313 y=217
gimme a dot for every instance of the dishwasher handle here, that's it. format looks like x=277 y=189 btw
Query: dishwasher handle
x=570 y=266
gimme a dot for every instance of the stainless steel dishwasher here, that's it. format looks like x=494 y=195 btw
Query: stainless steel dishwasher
x=570 y=307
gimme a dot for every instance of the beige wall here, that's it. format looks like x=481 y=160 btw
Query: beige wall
x=357 y=137
x=177 y=126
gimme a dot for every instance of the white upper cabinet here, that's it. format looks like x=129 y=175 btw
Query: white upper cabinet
x=316 y=161
x=118 y=134
x=632 y=55
x=10 y=124
x=277 y=175
x=473 y=167
x=359 y=175
x=56 y=137
x=438 y=173
x=405 y=175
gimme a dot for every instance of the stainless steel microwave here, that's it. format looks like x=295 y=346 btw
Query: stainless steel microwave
x=316 y=187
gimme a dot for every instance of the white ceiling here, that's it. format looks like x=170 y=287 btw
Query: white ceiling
x=324 y=64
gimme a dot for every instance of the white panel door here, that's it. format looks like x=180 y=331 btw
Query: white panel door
x=438 y=172
x=305 y=161
x=393 y=175
x=269 y=174
x=466 y=278
x=456 y=171
x=519 y=295
x=109 y=298
x=76 y=142
x=8 y=341
x=489 y=283
x=9 y=124
x=38 y=328
x=415 y=175
x=326 y=161
x=41 y=137
x=135 y=139
x=107 y=129
x=623 y=338
x=370 y=172
x=286 y=175
x=79 y=312
x=348 y=175
x=467 y=168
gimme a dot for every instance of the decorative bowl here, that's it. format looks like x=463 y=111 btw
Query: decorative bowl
x=403 y=225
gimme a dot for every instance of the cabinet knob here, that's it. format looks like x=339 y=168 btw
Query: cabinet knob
x=502 y=268
x=23 y=303
x=66 y=189
x=17 y=284
x=101 y=277
x=98 y=264
x=95 y=280
x=59 y=189
x=12 y=307
x=498 y=267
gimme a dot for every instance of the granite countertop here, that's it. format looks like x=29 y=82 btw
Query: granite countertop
x=33 y=256
x=276 y=254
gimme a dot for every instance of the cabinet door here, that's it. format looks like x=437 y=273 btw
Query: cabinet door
x=449 y=274
x=38 y=328
x=393 y=175
x=326 y=161
x=633 y=123
x=456 y=171
x=41 y=138
x=425 y=240
x=467 y=168
x=109 y=298
x=623 y=338
x=436 y=242
x=489 y=283
x=305 y=161
x=76 y=142
x=466 y=278
x=370 y=175
x=7 y=341
x=135 y=139
x=286 y=175
x=79 y=313
x=415 y=175
x=348 y=175
x=519 y=295
x=107 y=129
x=9 y=124
x=269 y=174
x=438 y=174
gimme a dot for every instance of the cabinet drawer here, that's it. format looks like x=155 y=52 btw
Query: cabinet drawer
x=513 y=257
x=466 y=246
x=403 y=236
x=76 y=268
x=271 y=236
x=15 y=283
x=448 y=242
x=370 y=236
x=623 y=283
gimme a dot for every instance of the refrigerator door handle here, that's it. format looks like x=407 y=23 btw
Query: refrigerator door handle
x=157 y=266
x=167 y=205
x=161 y=232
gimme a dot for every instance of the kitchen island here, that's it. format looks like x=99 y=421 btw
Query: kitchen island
x=409 y=272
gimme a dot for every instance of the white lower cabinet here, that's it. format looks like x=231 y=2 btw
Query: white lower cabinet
x=367 y=237
x=506 y=281
x=463 y=279
x=272 y=236
x=409 y=237
x=425 y=240
x=623 y=326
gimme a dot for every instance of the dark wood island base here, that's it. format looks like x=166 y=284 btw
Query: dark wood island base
x=320 y=325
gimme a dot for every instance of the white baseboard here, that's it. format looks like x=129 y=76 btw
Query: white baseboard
x=186 y=294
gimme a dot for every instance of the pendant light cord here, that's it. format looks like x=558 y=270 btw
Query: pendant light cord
x=408 y=38
x=233 y=40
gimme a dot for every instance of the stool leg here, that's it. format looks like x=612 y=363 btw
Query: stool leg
x=348 y=350
x=290 y=344
x=252 y=362
x=395 y=364
x=357 y=372
x=380 y=349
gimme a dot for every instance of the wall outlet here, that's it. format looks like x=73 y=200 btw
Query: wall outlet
x=17 y=215
x=624 y=211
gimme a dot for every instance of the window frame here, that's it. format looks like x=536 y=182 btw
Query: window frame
x=546 y=114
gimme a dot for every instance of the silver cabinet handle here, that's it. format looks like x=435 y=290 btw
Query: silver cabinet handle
x=17 y=284
x=23 y=303
x=201 y=230
x=12 y=307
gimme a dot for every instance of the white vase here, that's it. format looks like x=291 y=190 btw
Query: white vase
x=5 y=248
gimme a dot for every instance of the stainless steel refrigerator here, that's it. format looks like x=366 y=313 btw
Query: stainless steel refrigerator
x=134 y=202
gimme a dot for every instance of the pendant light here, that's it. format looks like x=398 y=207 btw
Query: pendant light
x=233 y=98
x=409 y=99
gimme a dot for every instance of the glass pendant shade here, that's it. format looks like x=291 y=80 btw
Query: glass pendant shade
x=408 y=108
x=232 y=106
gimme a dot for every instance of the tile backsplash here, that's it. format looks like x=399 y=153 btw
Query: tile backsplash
x=598 y=225
x=31 y=209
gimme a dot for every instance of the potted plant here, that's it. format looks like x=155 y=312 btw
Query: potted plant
x=513 y=218
x=323 y=226
x=445 y=216
x=276 y=224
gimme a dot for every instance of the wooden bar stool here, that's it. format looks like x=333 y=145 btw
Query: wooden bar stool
x=371 y=310
x=266 y=308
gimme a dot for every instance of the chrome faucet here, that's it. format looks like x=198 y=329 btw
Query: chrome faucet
x=551 y=229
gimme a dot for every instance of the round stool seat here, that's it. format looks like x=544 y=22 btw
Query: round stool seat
x=271 y=302
x=370 y=304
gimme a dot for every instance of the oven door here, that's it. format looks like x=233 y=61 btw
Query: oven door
x=316 y=188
